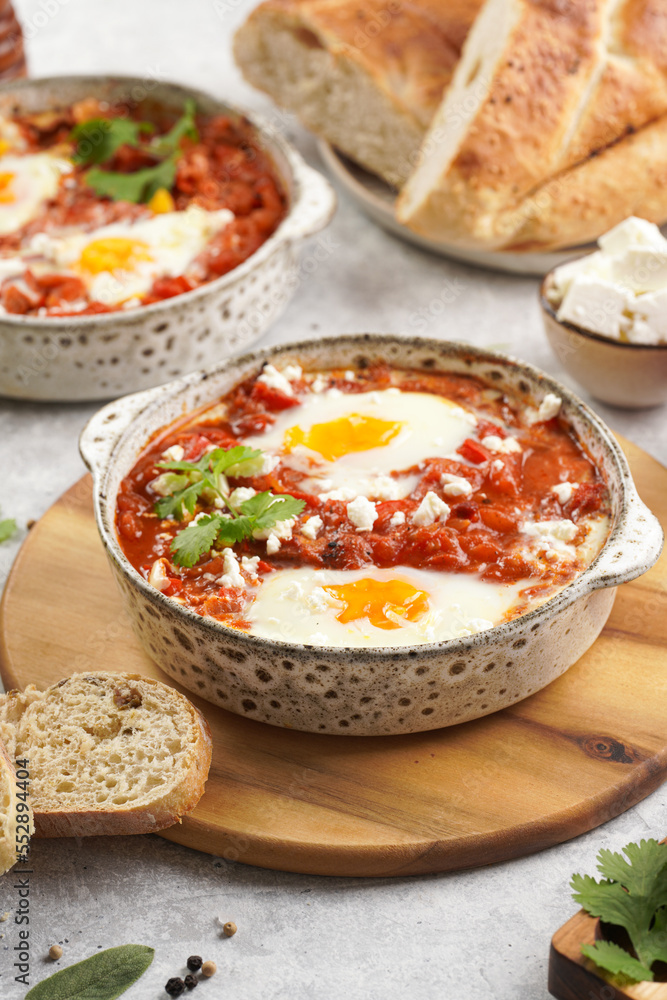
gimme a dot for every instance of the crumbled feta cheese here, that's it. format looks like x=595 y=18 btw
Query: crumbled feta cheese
x=386 y=488
x=174 y=453
x=292 y=372
x=342 y=493
x=158 y=575
x=310 y=528
x=281 y=529
x=362 y=513
x=503 y=445
x=497 y=465
x=548 y=409
x=564 y=491
x=197 y=518
x=231 y=573
x=249 y=564
x=641 y=269
x=241 y=494
x=333 y=392
x=318 y=600
x=597 y=305
x=560 y=531
x=272 y=545
x=455 y=486
x=319 y=384
x=350 y=376
x=632 y=232
x=275 y=380
x=650 y=311
x=397 y=519
x=430 y=510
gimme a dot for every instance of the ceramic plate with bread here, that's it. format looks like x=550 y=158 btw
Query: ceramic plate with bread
x=551 y=125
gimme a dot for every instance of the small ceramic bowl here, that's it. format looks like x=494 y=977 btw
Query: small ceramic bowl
x=372 y=691
x=98 y=357
x=628 y=375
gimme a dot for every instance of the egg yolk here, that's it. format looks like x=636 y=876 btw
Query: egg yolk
x=115 y=253
x=335 y=438
x=380 y=601
x=6 y=195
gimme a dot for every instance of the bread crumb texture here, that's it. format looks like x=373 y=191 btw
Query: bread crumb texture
x=107 y=744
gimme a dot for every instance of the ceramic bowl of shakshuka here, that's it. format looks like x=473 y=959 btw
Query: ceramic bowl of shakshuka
x=367 y=534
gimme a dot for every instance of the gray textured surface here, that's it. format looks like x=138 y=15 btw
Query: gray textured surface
x=476 y=935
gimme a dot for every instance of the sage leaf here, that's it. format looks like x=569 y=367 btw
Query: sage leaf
x=103 y=976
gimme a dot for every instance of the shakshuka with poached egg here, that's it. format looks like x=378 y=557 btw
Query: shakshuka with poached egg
x=422 y=507
x=103 y=208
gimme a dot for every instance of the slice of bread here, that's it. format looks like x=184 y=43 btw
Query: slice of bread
x=108 y=753
x=10 y=818
x=540 y=89
x=367 y=77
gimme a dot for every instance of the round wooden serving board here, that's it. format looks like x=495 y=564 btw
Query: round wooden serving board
x=565 y=760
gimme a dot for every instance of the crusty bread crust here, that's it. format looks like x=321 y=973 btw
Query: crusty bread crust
x=628 y=178
x=109 y=754
x=367 y=77
x=568 y=80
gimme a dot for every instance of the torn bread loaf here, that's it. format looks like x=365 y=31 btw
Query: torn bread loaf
x=547 y=86
x=108 y=753
x=367 y=77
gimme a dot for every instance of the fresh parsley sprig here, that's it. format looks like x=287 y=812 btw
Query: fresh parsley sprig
x=186 y=483
x=632 y=895
x=99 y=139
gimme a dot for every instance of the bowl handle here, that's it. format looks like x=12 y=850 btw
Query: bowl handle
x=634 y=549
x=314 y=206
x=105 y=428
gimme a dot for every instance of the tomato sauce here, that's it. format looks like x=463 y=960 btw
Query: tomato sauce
x=482 y=532
x=224 y=169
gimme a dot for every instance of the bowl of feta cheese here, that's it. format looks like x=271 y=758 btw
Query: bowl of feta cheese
x=605 y=316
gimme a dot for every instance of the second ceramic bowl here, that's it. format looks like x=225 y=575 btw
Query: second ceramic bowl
x=97 y=357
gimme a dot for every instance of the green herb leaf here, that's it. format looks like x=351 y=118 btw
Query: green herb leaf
x=7 y=529
x=616 y=960
x=190 y=544
x=139 y=186
x=266 y=509
x=172 y=506
x=235 y=459
x=104 y=976
x=185 y=126
x=633 y=895
x=99 y=138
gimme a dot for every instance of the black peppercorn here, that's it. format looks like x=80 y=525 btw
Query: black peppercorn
x=175 y=986
x=194 y=963
x=190 y=982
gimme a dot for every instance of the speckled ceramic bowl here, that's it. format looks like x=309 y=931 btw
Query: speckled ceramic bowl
x=79 y=358
x=378 y=690
x=633 y=376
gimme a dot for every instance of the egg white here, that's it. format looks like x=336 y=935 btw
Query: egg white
x=35 y=179
x=432 y=427
x=172 y=241
x=291 y=606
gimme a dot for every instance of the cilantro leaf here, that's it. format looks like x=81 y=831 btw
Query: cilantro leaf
x=7 y=529
x=185 y=126
x=173 y=504
x=185 y=483
x=632 y=895
x=138 y=186
x=99 y=138
x=616 y=960
x=266 y=509
x=190 y=544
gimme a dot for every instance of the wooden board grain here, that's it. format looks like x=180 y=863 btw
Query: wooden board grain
x=561 y=762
